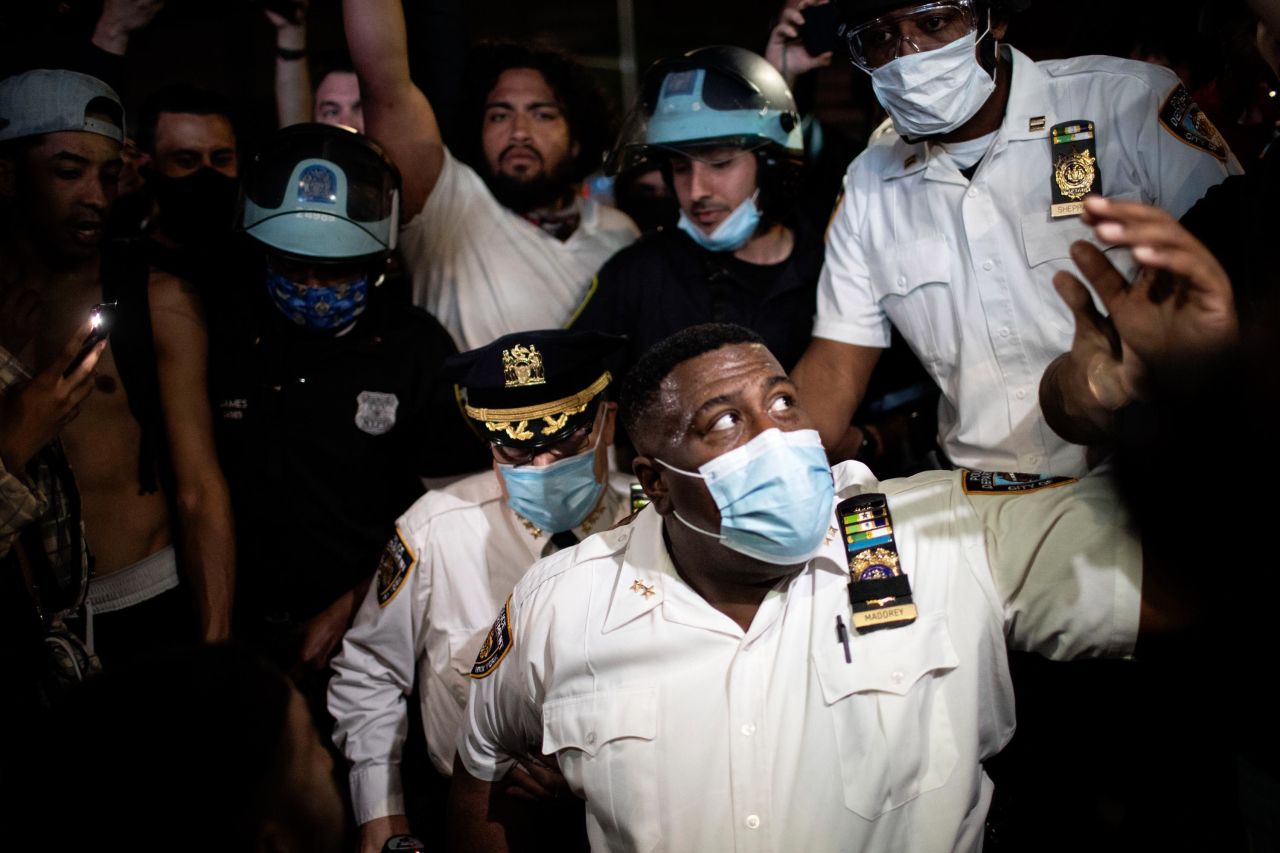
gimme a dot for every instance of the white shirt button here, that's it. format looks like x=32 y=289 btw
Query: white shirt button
x=897 y=677
x=753 y=821
x=902 y=281
x=1004 y=333
x=1033 y=460
x=972 y=193
x=591 y=738
x=988 y=266
x=1020 y=394
x=748 y=729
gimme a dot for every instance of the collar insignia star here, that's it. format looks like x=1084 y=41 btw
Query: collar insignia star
x=648 y=591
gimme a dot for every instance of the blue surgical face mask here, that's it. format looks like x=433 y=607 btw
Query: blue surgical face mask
x=731 y=234
x=323 y=307
x=774 y=493
x=555 y=497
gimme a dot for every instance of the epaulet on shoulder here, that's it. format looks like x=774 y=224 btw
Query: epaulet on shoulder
x=469 y=492
x=885 y=146
x=543 y=572
x=602 y=544
x=1157 y=77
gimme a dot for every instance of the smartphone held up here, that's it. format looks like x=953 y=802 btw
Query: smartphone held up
x=101 y=319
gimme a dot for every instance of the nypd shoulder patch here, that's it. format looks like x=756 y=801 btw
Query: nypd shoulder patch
x=496 y=644
x=1181 y=116
x=1006 y=483
x=393 y=569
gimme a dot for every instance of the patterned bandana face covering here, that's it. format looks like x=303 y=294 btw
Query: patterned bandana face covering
x=774 y=494
x=322 y=307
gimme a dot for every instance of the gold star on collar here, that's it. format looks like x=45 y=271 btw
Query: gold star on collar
x=831 y=532
x=534 y=530
x=648 y=591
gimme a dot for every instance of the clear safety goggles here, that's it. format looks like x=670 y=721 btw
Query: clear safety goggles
x=926 y=27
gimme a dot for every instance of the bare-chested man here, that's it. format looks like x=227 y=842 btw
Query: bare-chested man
x=142 y=447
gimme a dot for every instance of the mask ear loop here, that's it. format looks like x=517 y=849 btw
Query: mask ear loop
x=676 y=512
x=995 y=51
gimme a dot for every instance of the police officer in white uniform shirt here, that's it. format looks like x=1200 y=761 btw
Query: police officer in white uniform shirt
x=506 y=242
x=759 y=661
x=541 y=400
x=962 y=208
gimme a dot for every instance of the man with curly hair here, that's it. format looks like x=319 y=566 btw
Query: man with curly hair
x=497 y=239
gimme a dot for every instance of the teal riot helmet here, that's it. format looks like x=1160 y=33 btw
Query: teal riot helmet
x=711 y=96
x=316 y=192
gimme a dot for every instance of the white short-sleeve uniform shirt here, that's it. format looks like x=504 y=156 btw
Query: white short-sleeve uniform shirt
x=964 y=268
x=683 y=732
x=484 y=271
x=456 y=554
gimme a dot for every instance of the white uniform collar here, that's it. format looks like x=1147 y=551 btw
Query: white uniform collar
x=648 y=579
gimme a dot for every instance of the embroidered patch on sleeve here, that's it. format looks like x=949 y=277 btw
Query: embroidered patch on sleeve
x=1182 y=117
x=1004 y=483
x=496 y=644
x=393 y=568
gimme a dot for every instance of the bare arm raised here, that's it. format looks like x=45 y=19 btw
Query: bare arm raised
x=396 y=113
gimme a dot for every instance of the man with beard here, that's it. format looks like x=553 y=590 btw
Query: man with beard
x=142 y=447
x=504 y=243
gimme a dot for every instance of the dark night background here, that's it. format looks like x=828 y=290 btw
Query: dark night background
x=227 y=45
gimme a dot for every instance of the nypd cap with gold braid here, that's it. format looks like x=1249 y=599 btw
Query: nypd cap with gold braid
x=530 y=389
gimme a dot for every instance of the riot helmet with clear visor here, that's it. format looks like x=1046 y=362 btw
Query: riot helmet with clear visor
x=710 y=97
x=916 y=29
x=321 y=193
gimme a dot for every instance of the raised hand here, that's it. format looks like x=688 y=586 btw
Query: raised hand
x=785 y=51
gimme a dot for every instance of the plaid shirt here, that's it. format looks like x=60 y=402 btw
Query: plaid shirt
x=44 y=495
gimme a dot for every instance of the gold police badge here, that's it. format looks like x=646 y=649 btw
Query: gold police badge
x=1074 y=174
x=522 y=365
x=1075 y=167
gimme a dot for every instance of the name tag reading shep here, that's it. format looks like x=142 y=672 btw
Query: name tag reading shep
x=1075 y=167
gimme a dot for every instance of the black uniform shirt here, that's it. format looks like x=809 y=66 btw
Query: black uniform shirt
x=323 y=439
x=666 y=282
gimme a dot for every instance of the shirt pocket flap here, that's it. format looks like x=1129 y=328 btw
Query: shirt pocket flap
x=887 y=661
x=907 y=266
x=588 y=722
x=1047 y=239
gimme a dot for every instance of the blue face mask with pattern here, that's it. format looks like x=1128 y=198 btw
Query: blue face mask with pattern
x=319 y=307
x=774 y=493
x=731 y=234
x=555 y=497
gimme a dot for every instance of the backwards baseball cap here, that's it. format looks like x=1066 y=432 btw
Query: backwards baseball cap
x=531 y=389
x=55 y=100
